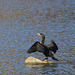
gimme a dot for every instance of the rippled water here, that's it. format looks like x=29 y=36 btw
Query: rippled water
x=21 y=20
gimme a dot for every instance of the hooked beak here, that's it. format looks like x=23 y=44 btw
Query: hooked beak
x=39 y=34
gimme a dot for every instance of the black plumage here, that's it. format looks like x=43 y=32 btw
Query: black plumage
x=53 y=47
x=46 y=50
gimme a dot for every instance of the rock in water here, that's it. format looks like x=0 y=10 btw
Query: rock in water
x=35 y=60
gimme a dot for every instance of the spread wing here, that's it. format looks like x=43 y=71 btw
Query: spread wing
x=36 y=47
x=53 y=47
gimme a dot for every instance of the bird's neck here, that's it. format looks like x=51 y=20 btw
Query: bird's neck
x=42 y=41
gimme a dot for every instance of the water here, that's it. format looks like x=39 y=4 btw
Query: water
x=21 y=20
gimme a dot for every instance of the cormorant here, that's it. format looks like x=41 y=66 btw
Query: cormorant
x=46 y=50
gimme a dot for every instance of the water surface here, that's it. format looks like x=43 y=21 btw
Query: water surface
x=21 y=20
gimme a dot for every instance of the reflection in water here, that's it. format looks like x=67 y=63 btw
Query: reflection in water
x=43 y=68
x=46 y=69
x=21 y=20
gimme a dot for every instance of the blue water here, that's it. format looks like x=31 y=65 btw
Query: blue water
x=21 y=20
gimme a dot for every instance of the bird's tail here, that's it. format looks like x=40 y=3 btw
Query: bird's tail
x=55 y=58
x=51 y=55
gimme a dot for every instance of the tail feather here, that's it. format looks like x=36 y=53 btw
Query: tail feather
x=55 y=58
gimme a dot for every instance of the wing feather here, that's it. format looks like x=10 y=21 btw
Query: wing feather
x=53 y=47
x=36 y=47
x=33 y=48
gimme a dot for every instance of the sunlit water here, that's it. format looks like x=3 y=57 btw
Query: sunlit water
x=21 y=20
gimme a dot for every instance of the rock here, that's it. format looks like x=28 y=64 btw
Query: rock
x=33 y=60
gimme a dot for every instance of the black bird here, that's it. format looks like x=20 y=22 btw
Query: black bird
x=46 y=50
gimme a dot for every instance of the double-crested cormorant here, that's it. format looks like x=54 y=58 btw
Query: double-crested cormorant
x=46 y=50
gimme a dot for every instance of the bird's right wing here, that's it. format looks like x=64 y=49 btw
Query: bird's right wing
x=33 y=48
x=36 y=47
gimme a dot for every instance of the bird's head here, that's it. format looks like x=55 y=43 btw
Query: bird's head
x=42 y=35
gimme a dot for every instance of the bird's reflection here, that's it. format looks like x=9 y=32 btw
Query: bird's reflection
x=49 y=68
x=44 y=68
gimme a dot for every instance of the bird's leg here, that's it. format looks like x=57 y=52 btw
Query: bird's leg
x=46 y=58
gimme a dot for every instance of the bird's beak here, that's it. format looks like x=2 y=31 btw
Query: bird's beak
x=39 y=34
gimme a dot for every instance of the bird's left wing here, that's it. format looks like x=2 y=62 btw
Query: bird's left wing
x=53 y=47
